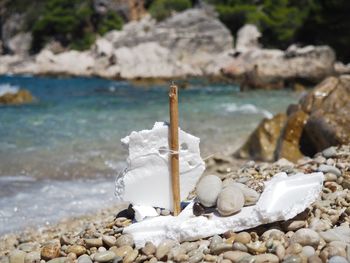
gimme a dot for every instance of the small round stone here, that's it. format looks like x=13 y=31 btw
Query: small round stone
x=292 y=259
x=243 y=237
x=84 y=259
x=262 y=258
x=235 y=256
x=109 y=241
x=308 y=251
x=125 y=240
x=105 y=256
x=314 y=259
x=93 y=242
x=121 y=251
x=306 y=237
x=17 y=256
x=337 y=259
x=77 y=249
x=131 y=256
x=50 y=251
x=239 y=246
x=164 y=248
x=208 y=190
x=32 y=257
x=149 y=249
x=230 y=201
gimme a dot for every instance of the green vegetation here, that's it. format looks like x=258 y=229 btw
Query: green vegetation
x=73 y=23
x=283 y=22
x=161 y=9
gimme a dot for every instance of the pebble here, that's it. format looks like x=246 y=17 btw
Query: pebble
x=121 y=251
x=17 y=256
x=32 y=257
x=256 y=247
x=215 y=240
x=272 y=233
x=149 y=249
x=77 y=249
x=72 y=256
x=329 y=152
x=210 y=258
x=243 y=237
x=50 y=251
x=164 y=248
x=181 y=258
x=337 y=259
x=101 y=249
x=196 y=257
x=295 y=225
x=84 y=259
x=250 y=195
x=105 y=256
x=294 y=248
x=221 y=248
x=329 y=169
x=280 y=251
x=109 y=241
x=306 y=237
x=292 y=259
x=330 y=177
x=235 y=256
x=308 y=251
x=93 y=242
x=60 y=260
x=230 y=240
x=230 y=201
x=239 y=246
x=131 y=256
x=125 y=240
x=208 y=190
x=314 y=259
x=262 y=258
x=28 y=247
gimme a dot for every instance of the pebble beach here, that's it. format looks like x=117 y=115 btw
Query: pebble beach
x=319 y=234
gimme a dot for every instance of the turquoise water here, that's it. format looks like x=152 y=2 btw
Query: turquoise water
x=66 y=146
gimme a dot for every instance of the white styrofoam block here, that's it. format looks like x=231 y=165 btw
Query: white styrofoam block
x=284 y=197
x=147 y=180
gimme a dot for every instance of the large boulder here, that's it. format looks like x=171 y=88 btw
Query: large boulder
x=262 y=142
x=21 y=96
x=255 y=67
x=194 y=40
x=20 y=43
x=320 y=120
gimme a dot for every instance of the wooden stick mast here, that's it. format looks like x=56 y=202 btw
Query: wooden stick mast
x=174 y=147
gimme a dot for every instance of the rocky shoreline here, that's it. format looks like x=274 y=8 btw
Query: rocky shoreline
x=193 y=43
x=319 y=234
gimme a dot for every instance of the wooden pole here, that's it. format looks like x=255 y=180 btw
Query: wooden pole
x=174 y=147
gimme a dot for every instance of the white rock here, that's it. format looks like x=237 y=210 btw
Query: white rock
x=283 y=198
x=147 y=180
x=248 y=38
x=208 y=190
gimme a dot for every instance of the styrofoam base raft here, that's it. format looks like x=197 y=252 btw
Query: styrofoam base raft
x=283 y=198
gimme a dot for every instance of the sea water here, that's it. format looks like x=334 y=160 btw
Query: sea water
x=59 y=156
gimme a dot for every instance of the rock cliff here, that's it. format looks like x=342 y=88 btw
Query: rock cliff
x=321 y=119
